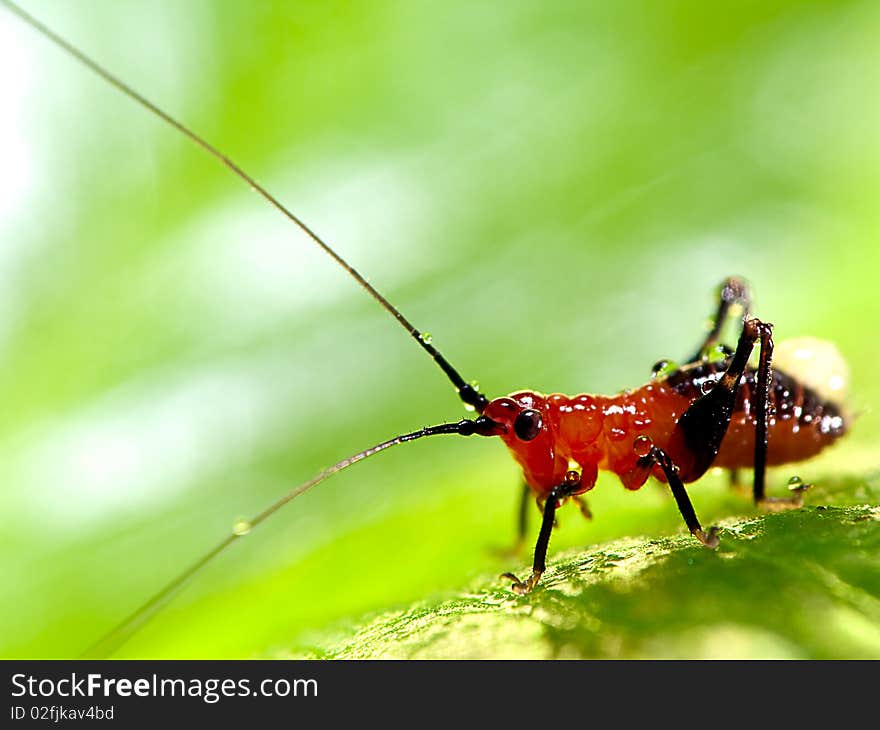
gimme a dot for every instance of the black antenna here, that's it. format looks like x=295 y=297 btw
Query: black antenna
x=115 y=638
x=466 y=391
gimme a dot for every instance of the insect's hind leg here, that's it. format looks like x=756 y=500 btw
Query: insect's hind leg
x=696 y=438
x=698 y=434
x=701 y=429
x=762 y=415
x=732 y=291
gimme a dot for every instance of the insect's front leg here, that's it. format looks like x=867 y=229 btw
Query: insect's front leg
x=571 y=484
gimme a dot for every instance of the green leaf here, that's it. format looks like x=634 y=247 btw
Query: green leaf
x=801 y=584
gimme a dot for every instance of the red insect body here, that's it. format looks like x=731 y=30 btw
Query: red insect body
x=598 y=432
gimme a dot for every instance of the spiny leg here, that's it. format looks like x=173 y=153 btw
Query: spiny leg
x=733 y=291
x=570 y=484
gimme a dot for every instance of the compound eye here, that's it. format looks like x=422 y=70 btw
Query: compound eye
x=528 y=424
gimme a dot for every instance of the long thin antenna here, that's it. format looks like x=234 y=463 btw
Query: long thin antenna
x=115 y=638
x=467 y=392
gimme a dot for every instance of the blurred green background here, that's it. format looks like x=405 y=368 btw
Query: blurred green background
x=553 y=190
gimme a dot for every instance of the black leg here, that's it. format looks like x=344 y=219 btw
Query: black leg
x=540 y=503
x=733 y=291
x=658 y=456
x=762 y=414
x=571 y=483
x=762 y=417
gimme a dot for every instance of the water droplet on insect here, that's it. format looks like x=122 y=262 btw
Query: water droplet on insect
x=427 y=338
x=642 y=446
x=706 y=386
x=663 y=369
x=717 y=354
x=795 y=483
x=241 y=527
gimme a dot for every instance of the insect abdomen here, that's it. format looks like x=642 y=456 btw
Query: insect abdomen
x=802 y=423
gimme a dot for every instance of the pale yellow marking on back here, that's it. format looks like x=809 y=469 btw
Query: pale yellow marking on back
x=817 y=364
